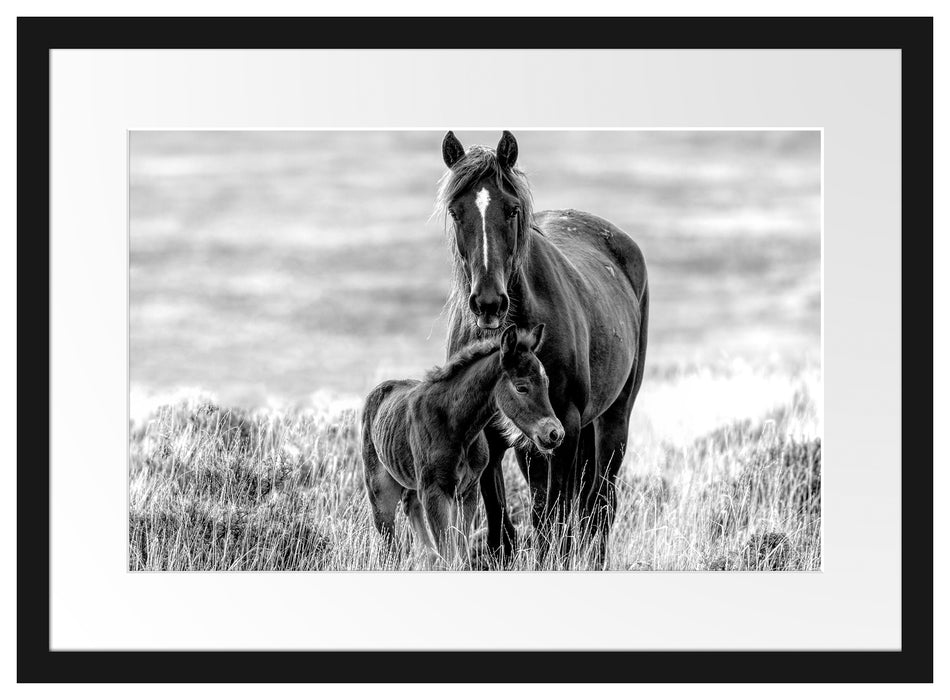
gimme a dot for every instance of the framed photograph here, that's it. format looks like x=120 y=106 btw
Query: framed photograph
x=570 y=354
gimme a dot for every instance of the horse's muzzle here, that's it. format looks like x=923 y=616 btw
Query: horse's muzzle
x=490 y=307
x=488 y=323
x=550 y=435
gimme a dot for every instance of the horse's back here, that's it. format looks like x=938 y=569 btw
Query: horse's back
x=595 y=245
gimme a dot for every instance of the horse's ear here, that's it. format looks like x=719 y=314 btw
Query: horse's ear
x=452 y=150
x=509 y=341
x=536 y=337
x=507 y=151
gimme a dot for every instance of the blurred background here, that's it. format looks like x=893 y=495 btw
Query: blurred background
x=280 y=266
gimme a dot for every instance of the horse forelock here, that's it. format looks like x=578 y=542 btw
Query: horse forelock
x=478 y=163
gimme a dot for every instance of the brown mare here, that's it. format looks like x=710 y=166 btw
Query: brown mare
x=586 y=280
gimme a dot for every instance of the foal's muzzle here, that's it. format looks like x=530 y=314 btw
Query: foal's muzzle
x=550 y=434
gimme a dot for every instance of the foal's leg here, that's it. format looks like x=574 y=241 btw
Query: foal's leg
x=417 y=519
x=382 y=490
x=442 y=515
x=501 y=531
x=468 y=510
x=384 y=496
x=438 y=482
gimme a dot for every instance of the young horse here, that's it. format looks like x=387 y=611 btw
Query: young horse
x=423 y=441
x=583 y=277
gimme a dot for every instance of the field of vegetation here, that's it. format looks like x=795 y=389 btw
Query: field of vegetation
x=723 y=473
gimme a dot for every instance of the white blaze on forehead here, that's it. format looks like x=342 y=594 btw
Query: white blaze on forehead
x=482 y=200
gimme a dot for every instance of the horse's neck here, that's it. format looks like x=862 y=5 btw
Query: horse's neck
x=521 y=295
x=522 y=288
x=472 y=396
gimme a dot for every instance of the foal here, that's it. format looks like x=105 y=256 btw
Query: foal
x=423 y=441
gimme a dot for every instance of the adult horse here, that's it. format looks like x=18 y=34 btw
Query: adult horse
x=586 y=280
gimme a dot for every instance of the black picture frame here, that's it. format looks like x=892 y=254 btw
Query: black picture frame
x=36 y=37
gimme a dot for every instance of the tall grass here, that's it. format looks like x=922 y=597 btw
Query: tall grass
x=213 y=488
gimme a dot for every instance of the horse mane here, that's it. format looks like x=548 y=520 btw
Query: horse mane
x=478 y=163
x=467 y=356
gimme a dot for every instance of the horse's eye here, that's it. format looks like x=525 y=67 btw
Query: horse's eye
x=454 y=215
x=521 y=389
x=513 y=213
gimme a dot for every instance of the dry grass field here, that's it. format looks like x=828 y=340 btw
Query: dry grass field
x=214 y=488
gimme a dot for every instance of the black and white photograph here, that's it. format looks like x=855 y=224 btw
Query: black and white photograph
x=505 y=349
x=474 y=349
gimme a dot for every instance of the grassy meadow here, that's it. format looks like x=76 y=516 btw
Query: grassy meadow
x=218 y=488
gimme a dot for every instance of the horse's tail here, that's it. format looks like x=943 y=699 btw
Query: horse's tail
x=642 y=343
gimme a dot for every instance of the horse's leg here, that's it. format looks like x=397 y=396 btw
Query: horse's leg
x=548 y=478
x=613 y=432
x=413 y=509
x=439 y=503
x=586 y=471
x=587 y=475
x=468 y=511
x=501 y=531
x=384 y=494
x=614 y=429
x=570 y=508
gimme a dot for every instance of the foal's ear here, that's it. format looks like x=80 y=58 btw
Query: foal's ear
x=452 y=150
x=536 y=337
x=509 y=341
x=507 y=151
